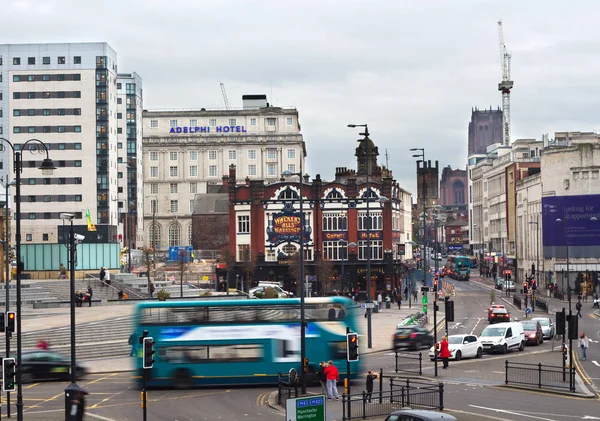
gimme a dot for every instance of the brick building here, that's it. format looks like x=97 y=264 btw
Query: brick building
x=453 y=187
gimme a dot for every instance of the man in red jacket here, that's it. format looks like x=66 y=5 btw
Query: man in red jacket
x=333 y=376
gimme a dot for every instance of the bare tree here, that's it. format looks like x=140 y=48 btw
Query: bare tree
x=294 y=271
x=248 y=267
x=182 y=268
x=148 y=252
x=228 y=258
x=324 y=269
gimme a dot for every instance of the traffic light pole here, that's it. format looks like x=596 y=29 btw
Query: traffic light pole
x=348 y=374
x=435 y=354
x=144 y=397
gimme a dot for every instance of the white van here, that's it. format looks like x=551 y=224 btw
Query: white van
x=502 y=337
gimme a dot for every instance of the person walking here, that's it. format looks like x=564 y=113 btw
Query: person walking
x=379 y=300
x=399 y=301
x=102 y=275
x=578 y=307
x=444 y=351
x=152 y=289
x=63 y=272
x=322 y=378
x=90 y=293
x=583 y=344
x=333 y=376
x=370 y=377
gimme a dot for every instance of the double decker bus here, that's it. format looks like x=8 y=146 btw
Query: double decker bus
x=242 y=342
x=459 y=267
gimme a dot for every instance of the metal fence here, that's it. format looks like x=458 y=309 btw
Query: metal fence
x=287 y=387
x=409 y=363
x=517 y=301
x=403 y=393
x=542 y=376
x=543 y=304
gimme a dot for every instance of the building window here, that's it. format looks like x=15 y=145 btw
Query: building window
x=44 y=237
x=289 y=249
x=77 y=129
x=291 y=153
x=46 y=60
x=243 y=253
x=174 y=206
x=154 y=206
x=191 y=208
x=290 y=121
x=29 y=237
x=212 y=170
x=155 y=235
x=271 y=121
x=243 y=224
x=232 y=122
x=16 y=78
x=173 y=156
x=16 y=61
x=376 y=220
x=31 y=61
x=193 y=155
x=271 y=154
x=376 y=250
x=334 y=250
x=212 y=155
x=153 y=124
x=16 y=113
x=77 y=60
x=193 y=123
x=174 y=235
x=154 y=172
x=288 y=194
x=335 y=221
x=119 y=145
x=61 y=60
x=233 y=155
x=193 y=171
x=173 y=123
x=271 y=170
x=292 y=167
x=119 y=130
x=253 y=122
x=173 y=171
x=153 y=156
x=119 y=116
x=173 y=188
x=212 y=122
x=252 y=169
x=252 y=154
x=271 y=256
x=153 y=188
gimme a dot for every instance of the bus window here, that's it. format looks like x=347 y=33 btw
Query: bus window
x=194 y=354
x=337 y=350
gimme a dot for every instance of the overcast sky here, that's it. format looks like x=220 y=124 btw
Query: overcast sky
x=412 y=70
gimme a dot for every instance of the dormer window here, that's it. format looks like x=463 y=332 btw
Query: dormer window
x=288 y=194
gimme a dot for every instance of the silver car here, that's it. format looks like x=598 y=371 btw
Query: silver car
x=419 y=415
x=548 y=329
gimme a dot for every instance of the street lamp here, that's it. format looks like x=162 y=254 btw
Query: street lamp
x=424 y=251
x=302 y=315
x=344 y=252
x=410 y=282
x=47 y=167
x=571 y=323
x=537 y=249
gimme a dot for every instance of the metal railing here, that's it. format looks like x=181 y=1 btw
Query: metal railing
x=409 y=363
x=539 y=375
x=517 y=301
x=403 y=393
x=287 y=387
x=114 y=291
x=543 y=304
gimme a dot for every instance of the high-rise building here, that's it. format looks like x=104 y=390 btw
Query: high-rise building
x=485 y=129
x=66 y=95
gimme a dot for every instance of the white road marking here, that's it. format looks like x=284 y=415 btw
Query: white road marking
x=593 y=341
x=513 y=413
x=595 y=363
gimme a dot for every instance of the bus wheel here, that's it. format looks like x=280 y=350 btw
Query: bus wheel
x=182 y=379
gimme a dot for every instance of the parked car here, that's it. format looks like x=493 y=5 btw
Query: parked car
x=493 y=306
x=547 y=326
x=509 y=286
x=499 y=283
x=503 y=337
x=499 y=315
x=260 y=289
x=412 y=337
x=533 y=332
x=419 y=415
x=41 y=365
x=462 y=346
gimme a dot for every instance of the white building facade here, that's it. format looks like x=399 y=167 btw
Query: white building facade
x=186 y=153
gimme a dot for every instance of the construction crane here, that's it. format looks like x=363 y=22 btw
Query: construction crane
x=505 y=86
x=224 y=96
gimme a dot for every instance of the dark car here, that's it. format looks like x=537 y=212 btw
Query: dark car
x=533 y=332
x=412 y=337
x=42 y=365
x=499 y=315
x=492 y=307
x=419 y=415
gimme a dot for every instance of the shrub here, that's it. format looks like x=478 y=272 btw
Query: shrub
x=270 y=293
x=162 y=295
x=206 y=294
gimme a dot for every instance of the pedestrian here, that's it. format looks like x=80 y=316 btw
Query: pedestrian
x=131 y=342
x=78 y=298
x=578 y=307
x=322 y=378
x=152 y=289
x=333 y=376
x=42 y=344
x=370 y=377
x=90 y=293
x=406 y=292
x=107 y=276
x=596 y=302
x=583 y=344
x=102 y=275
x=444 y=351
x=63 y=272
x=379 y=301
x=399 y=301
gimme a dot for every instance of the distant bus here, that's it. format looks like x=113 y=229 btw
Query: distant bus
x=473 y=260
x=242 y=342
x=459 y=267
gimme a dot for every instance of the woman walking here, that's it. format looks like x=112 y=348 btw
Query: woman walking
x=583 y=344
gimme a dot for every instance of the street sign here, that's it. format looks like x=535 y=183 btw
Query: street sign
x=424 y=308
x=424 y=299
x=527 y=310
x=308 y=408
x=367 y=305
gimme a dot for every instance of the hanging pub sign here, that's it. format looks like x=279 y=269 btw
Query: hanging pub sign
x=285 y=226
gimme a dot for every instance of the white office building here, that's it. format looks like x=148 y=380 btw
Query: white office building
x=188 y=152
x=67 y=96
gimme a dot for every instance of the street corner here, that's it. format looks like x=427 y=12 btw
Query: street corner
x=272 y=402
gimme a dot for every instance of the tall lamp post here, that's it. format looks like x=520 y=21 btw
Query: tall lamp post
x=302 y=310
x=566 y=233
x=424 y=251
x=410 y=281
x=537 y=248
x=344 y=253
x=47 y=167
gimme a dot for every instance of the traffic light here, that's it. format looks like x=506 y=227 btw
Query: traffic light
x=435 y=285
x=572 y=323
x=560 y=322
x=148 y=352
x=11 y=316
x=2 y=322
x=525 y=287
x=9 y=374
x=305 y=365
x=449 y=310
x=564 y=352
x=352 y=346
x=533 y=284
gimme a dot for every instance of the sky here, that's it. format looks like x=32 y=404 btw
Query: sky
x=411 y=70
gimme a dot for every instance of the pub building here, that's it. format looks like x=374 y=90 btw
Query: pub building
x=265 y=228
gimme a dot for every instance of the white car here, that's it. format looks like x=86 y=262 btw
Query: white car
x=261 y=289
x=462 y=346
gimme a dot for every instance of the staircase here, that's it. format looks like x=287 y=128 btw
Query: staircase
x=60 y=289
x=30 y=294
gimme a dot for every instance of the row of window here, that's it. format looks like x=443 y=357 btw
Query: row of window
x=47 y=129
x=212 y=122
x=173 y=206
x=213 y=171
x=46 y=215
x=58 y=163
x=47 y=94
x=331 y=222
x=56 y=146
x=47 y=78
x=47 y=198
x=213 y=154
x=48 y=181
x=45 y=60
x=20 y=112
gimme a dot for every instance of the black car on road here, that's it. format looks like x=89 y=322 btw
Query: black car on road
x=412 y=337
x=40 y=365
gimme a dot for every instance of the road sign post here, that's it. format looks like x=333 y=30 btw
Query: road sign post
x=424 y=301
x=307 y=408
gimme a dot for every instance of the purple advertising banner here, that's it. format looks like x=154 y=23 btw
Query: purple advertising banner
x=572 y=220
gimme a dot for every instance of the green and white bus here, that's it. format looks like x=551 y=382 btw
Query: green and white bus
x=241 y=342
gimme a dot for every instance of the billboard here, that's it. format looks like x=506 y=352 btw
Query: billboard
x=571 y=223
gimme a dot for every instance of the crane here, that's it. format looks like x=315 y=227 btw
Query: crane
x=505 y=86
x=224 y=96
